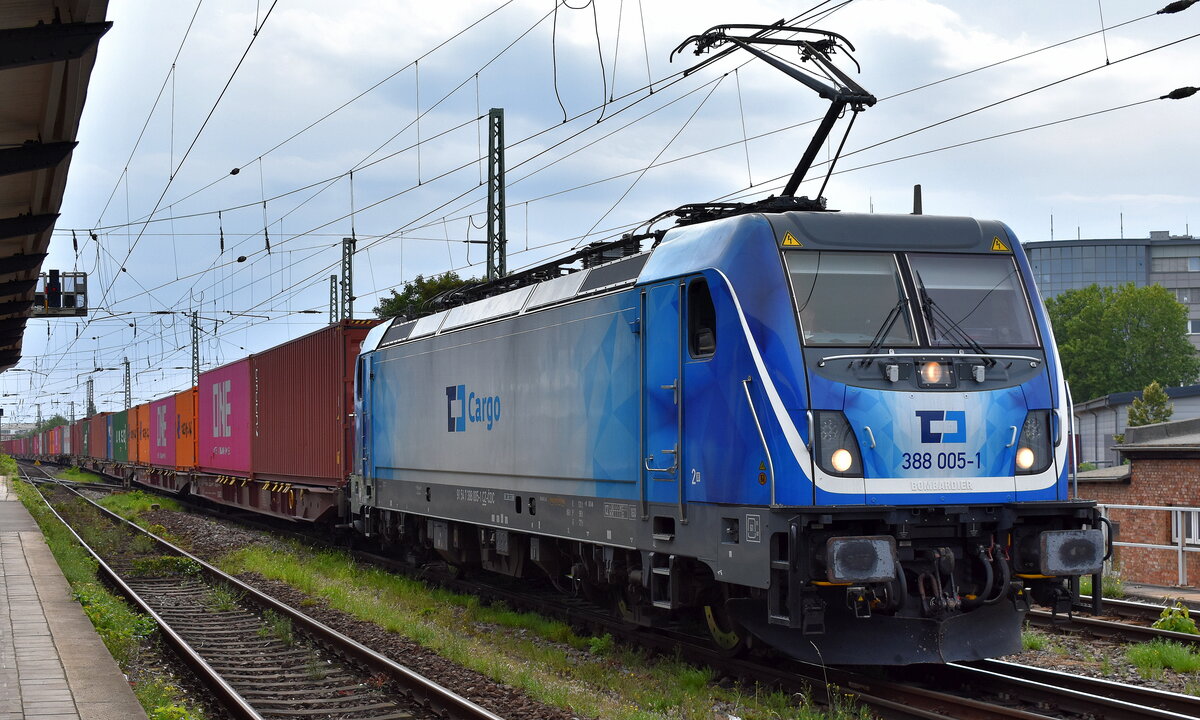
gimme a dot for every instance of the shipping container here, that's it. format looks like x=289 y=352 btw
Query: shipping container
x=162 y=432
x=131 y=418
x=186 y=437
x=83 y=438
x=118 y=438
x=54 y=436
x=223 y=414
x=142 y=436
x=98 y=436
x=302 y=398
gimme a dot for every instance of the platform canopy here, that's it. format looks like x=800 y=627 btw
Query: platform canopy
x=47 y=50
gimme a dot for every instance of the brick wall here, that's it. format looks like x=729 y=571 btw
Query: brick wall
x=1164 y=482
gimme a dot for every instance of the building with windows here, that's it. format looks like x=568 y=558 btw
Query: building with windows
x=1100 y=420
x=1172 y=261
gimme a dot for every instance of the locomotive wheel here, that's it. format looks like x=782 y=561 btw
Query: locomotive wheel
x=730 y=638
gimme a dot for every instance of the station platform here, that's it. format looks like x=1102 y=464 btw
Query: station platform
x=53 y=665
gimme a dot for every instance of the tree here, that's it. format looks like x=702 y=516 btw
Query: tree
x=1123 y=338
x=49 y=424
x=1152 y=407
x=411 y=301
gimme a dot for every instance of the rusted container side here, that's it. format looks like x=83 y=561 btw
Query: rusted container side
x=162 y=432
x=223 y=414
x=98 y=436
x=118 y=436
x=77 y=433
x=186 y=436
x=84 y=446
x=143 y=435
x=302 y=394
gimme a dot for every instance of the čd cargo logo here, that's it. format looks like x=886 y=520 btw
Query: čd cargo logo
x=463 y=407
x=943 y=426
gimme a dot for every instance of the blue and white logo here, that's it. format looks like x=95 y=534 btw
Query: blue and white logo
x=463 y=407
x=943 y=426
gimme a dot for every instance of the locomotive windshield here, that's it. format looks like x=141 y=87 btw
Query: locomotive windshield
x=850 y=298
x=979 y=295
x=858 y=299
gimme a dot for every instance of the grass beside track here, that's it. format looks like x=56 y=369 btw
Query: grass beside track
x=592 y=676
x=123 y=631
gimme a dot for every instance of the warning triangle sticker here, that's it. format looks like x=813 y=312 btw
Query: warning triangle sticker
x=999 y=246
x=762 y=466
x=789 y=240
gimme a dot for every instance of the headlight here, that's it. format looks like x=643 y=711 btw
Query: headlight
x=936 y=375
x=1034 y=451
x=835 y=445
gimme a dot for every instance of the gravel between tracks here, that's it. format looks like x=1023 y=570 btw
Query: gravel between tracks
x=209 y=538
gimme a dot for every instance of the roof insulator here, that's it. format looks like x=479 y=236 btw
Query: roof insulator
x=1177 y=6
x=1180 y=93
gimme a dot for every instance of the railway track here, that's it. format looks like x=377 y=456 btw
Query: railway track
x=260 y=658
x=1133 y=625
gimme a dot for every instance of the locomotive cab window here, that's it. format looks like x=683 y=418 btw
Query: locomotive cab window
x=850 y=298
x=702 y=320
x=979 y=295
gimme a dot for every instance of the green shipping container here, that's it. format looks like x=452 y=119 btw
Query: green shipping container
x=120 y=436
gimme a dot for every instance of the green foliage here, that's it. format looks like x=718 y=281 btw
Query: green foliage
x=1177 y=618
x=172 y=712
x=1157 y=655
x=53 y=422
x=164 y=566
x=1123 y=338
x=131 y=504
x=75 y=474
x=1152 y=407
x=1086 y=466
x=222 y=599
x=1113 y=586
x=1033 y=641
x=600 y=645
x=8 y=466
x=410 y=301
x=277 y=626
x=121 y=629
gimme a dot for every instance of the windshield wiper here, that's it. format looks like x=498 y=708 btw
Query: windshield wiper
x=888 y=322
x=951 y=330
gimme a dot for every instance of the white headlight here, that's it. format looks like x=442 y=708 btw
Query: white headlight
x=931 y=373
x=842 y=460
x=1025 y=458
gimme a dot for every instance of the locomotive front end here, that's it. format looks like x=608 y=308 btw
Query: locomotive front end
x=939 y=424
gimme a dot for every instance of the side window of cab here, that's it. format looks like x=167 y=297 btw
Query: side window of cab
x=702 y=320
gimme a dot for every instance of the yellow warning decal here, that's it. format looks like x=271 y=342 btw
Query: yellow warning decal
x=762 y=466
x=999 y=246
x=789 y=240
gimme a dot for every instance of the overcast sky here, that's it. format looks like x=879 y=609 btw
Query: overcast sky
x=297 y=94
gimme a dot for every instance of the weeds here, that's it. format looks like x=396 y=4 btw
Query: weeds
x=222 y=599
x=165 y=566
x=277 y=626
x=1152 y=658
x=1176 y=618
x=1033 y=641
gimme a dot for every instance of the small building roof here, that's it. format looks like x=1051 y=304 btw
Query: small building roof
x=1180 y=438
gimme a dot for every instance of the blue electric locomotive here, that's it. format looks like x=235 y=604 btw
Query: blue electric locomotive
x=844 y=435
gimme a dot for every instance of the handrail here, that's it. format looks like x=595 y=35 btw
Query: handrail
x=1180 y=546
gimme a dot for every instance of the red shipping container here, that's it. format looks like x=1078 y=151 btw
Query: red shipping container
x=141 y=439
x=223 y=414
x=162 y=432
x=303 y=396
x=55 y=440
x=186 y=437
x=98 y=436
x=77 y=438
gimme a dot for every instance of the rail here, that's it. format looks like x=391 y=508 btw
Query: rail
x=1182 y=530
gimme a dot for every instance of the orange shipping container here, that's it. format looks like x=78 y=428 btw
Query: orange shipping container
x=185 y=429
x=98 y=430
x=142 y=435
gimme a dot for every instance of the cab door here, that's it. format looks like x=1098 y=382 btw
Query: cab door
x=662 y=395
